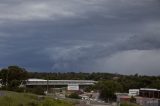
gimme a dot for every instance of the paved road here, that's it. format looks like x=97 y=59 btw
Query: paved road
x=86 y=103
x=82 y=103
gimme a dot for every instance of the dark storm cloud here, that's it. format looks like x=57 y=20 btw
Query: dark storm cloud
x=80 y=35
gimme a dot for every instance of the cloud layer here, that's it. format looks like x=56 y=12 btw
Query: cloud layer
x=119 y=36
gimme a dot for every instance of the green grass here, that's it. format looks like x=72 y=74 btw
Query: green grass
x=25 y=99
x=128 y=104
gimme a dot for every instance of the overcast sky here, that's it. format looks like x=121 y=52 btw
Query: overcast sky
x=116 y=36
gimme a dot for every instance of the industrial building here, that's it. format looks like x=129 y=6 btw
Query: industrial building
x=149 y=93
x=143 y=96
x=70 y=84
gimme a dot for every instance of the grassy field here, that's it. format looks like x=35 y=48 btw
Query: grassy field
x=25 y=99
x=128 y=104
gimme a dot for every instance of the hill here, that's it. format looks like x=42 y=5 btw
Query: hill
x=8 y=98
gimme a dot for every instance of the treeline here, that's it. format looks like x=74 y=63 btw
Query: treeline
x=108 y=88
x=73 y=76
x=107 y=85
x=127 y=81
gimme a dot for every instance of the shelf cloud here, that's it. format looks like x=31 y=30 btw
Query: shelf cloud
x=117 y=36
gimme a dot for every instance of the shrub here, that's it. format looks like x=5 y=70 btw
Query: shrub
x=32 y=104
x=36 y=90
x=74 y=96
x=133 y=100
x=20 y=104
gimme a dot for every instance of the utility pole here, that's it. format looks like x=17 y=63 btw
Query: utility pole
x=6 y=84
x=47 y=83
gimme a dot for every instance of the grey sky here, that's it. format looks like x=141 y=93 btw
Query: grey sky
x=117 y=36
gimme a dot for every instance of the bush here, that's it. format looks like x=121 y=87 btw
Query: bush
x=133 y=100
x=20 y=104
x=32 y=104
x=36 y=90
x=74 y=96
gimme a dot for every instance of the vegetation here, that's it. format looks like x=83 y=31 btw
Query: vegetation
x=13 y=76
x=126 y=81
x=25 y=99
x=108 y=89
x=133 y=100
x=128 y=104
x=108 y=83
x=35 y=90
x=74 y=96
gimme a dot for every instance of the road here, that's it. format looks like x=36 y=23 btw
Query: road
x=85 y=102
x=82 y=103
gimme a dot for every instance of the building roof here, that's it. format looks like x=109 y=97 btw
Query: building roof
x=35 y=79
x=149 y=89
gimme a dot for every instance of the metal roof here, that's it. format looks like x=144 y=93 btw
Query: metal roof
x=35 y=79
x=148 y=89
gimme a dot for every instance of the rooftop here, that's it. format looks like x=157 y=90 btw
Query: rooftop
x=35 y=79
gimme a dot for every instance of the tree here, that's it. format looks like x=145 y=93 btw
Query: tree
x=133 y=100
x=13 y=76
x=4 y=76
x=108 y=89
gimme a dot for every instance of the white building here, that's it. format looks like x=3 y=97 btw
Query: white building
x=133 y=92
x=73 y=87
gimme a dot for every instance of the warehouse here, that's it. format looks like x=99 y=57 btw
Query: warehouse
x=70 y=84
